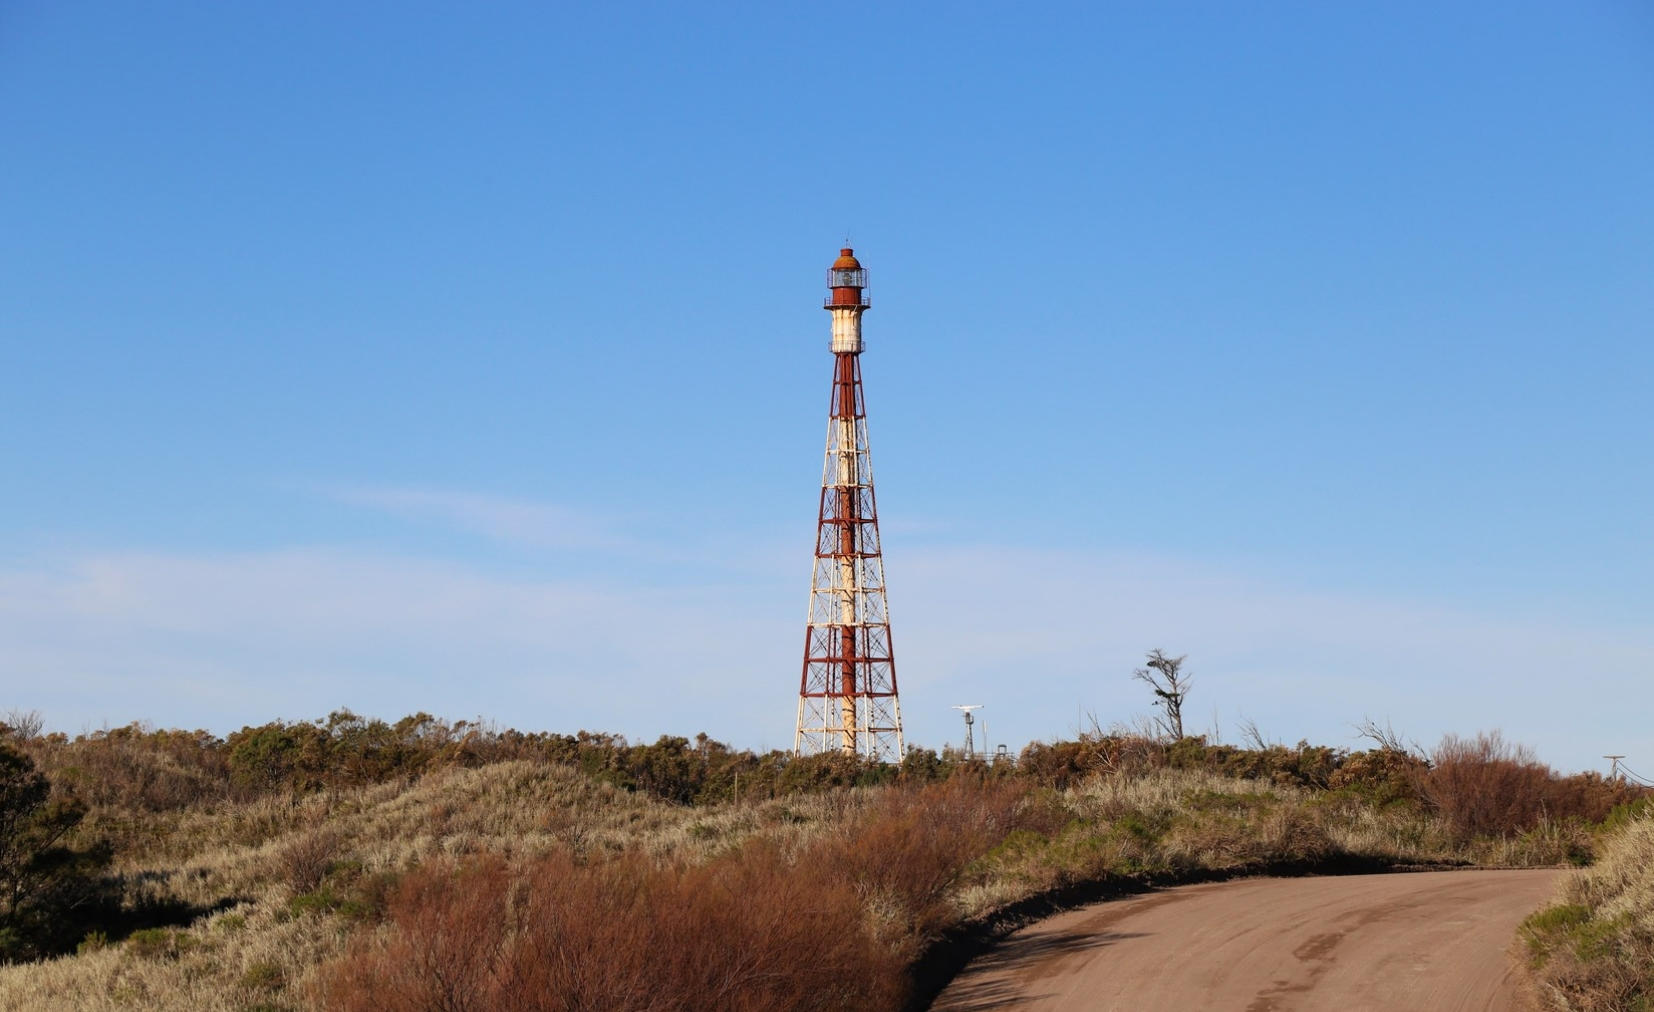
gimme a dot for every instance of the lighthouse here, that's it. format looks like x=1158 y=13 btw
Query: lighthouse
x=847 y=701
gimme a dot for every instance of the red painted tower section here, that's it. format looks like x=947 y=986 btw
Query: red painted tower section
x=847 y=699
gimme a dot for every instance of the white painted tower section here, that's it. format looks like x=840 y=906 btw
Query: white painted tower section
x=846 y=330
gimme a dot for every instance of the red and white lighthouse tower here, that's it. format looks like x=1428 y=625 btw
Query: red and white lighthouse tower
x=847 y=696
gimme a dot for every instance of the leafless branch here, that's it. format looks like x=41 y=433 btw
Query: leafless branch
x=1387 y=738
x=22 y=725
x=1165 y=676
x=1252 y=737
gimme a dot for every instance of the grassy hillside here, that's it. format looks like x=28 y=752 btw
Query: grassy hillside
x=354 y=864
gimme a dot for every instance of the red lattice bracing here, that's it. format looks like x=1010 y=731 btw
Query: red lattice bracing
x=847 y=698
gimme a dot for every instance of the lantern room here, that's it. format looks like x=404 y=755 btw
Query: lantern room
x=848 y=280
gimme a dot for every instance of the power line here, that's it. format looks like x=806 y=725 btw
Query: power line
x=1627 y=773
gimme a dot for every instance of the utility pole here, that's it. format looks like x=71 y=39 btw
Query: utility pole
x=1614 y=770
x=847 y=698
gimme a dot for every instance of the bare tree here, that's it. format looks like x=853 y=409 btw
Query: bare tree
x=22 y=725
x=1387 y=738
x=1165 y=676
x=1251 y=735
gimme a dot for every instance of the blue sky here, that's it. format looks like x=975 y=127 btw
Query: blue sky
x=470 y=359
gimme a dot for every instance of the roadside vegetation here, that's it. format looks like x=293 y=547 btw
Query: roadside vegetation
x=1593 y=949
x=350 y=863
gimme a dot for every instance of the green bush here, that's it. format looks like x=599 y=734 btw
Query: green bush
x=94 y=941
x=264 y=977
x=160 y=943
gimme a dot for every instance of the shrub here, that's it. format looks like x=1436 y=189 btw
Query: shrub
x=1593 y=950
x=277 y=756
x=136 y=767
x=93 y=942
x=911 y=848
x=43 y=880
x=1057 y=765
x=306 y=861
x=264 y=976
x=1486 y=786
x=747 y=932
x=1063 y=764
x=1383 y=775
x=159 y=943
x=828 y=923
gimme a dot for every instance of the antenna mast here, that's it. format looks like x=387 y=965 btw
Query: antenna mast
x=970 y=744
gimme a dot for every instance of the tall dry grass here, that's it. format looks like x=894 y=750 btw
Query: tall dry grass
x=1593 y=949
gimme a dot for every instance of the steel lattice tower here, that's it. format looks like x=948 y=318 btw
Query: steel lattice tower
x=847 y=696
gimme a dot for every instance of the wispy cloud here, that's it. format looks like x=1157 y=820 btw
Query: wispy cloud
x=225 y=638
x=514 y=521
x=219 y=639
x=1043 y=633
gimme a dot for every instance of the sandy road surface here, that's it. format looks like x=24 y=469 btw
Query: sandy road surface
x=1423 y=942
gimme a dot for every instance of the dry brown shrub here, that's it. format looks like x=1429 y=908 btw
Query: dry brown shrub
x=912 y=846
x=1486 y=785
x=449 y=926
x=749 y=931
x=305 y=861
x=1588 y=796
x=757 y=931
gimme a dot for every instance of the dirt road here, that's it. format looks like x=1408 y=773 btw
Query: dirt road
x=1436 y=941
